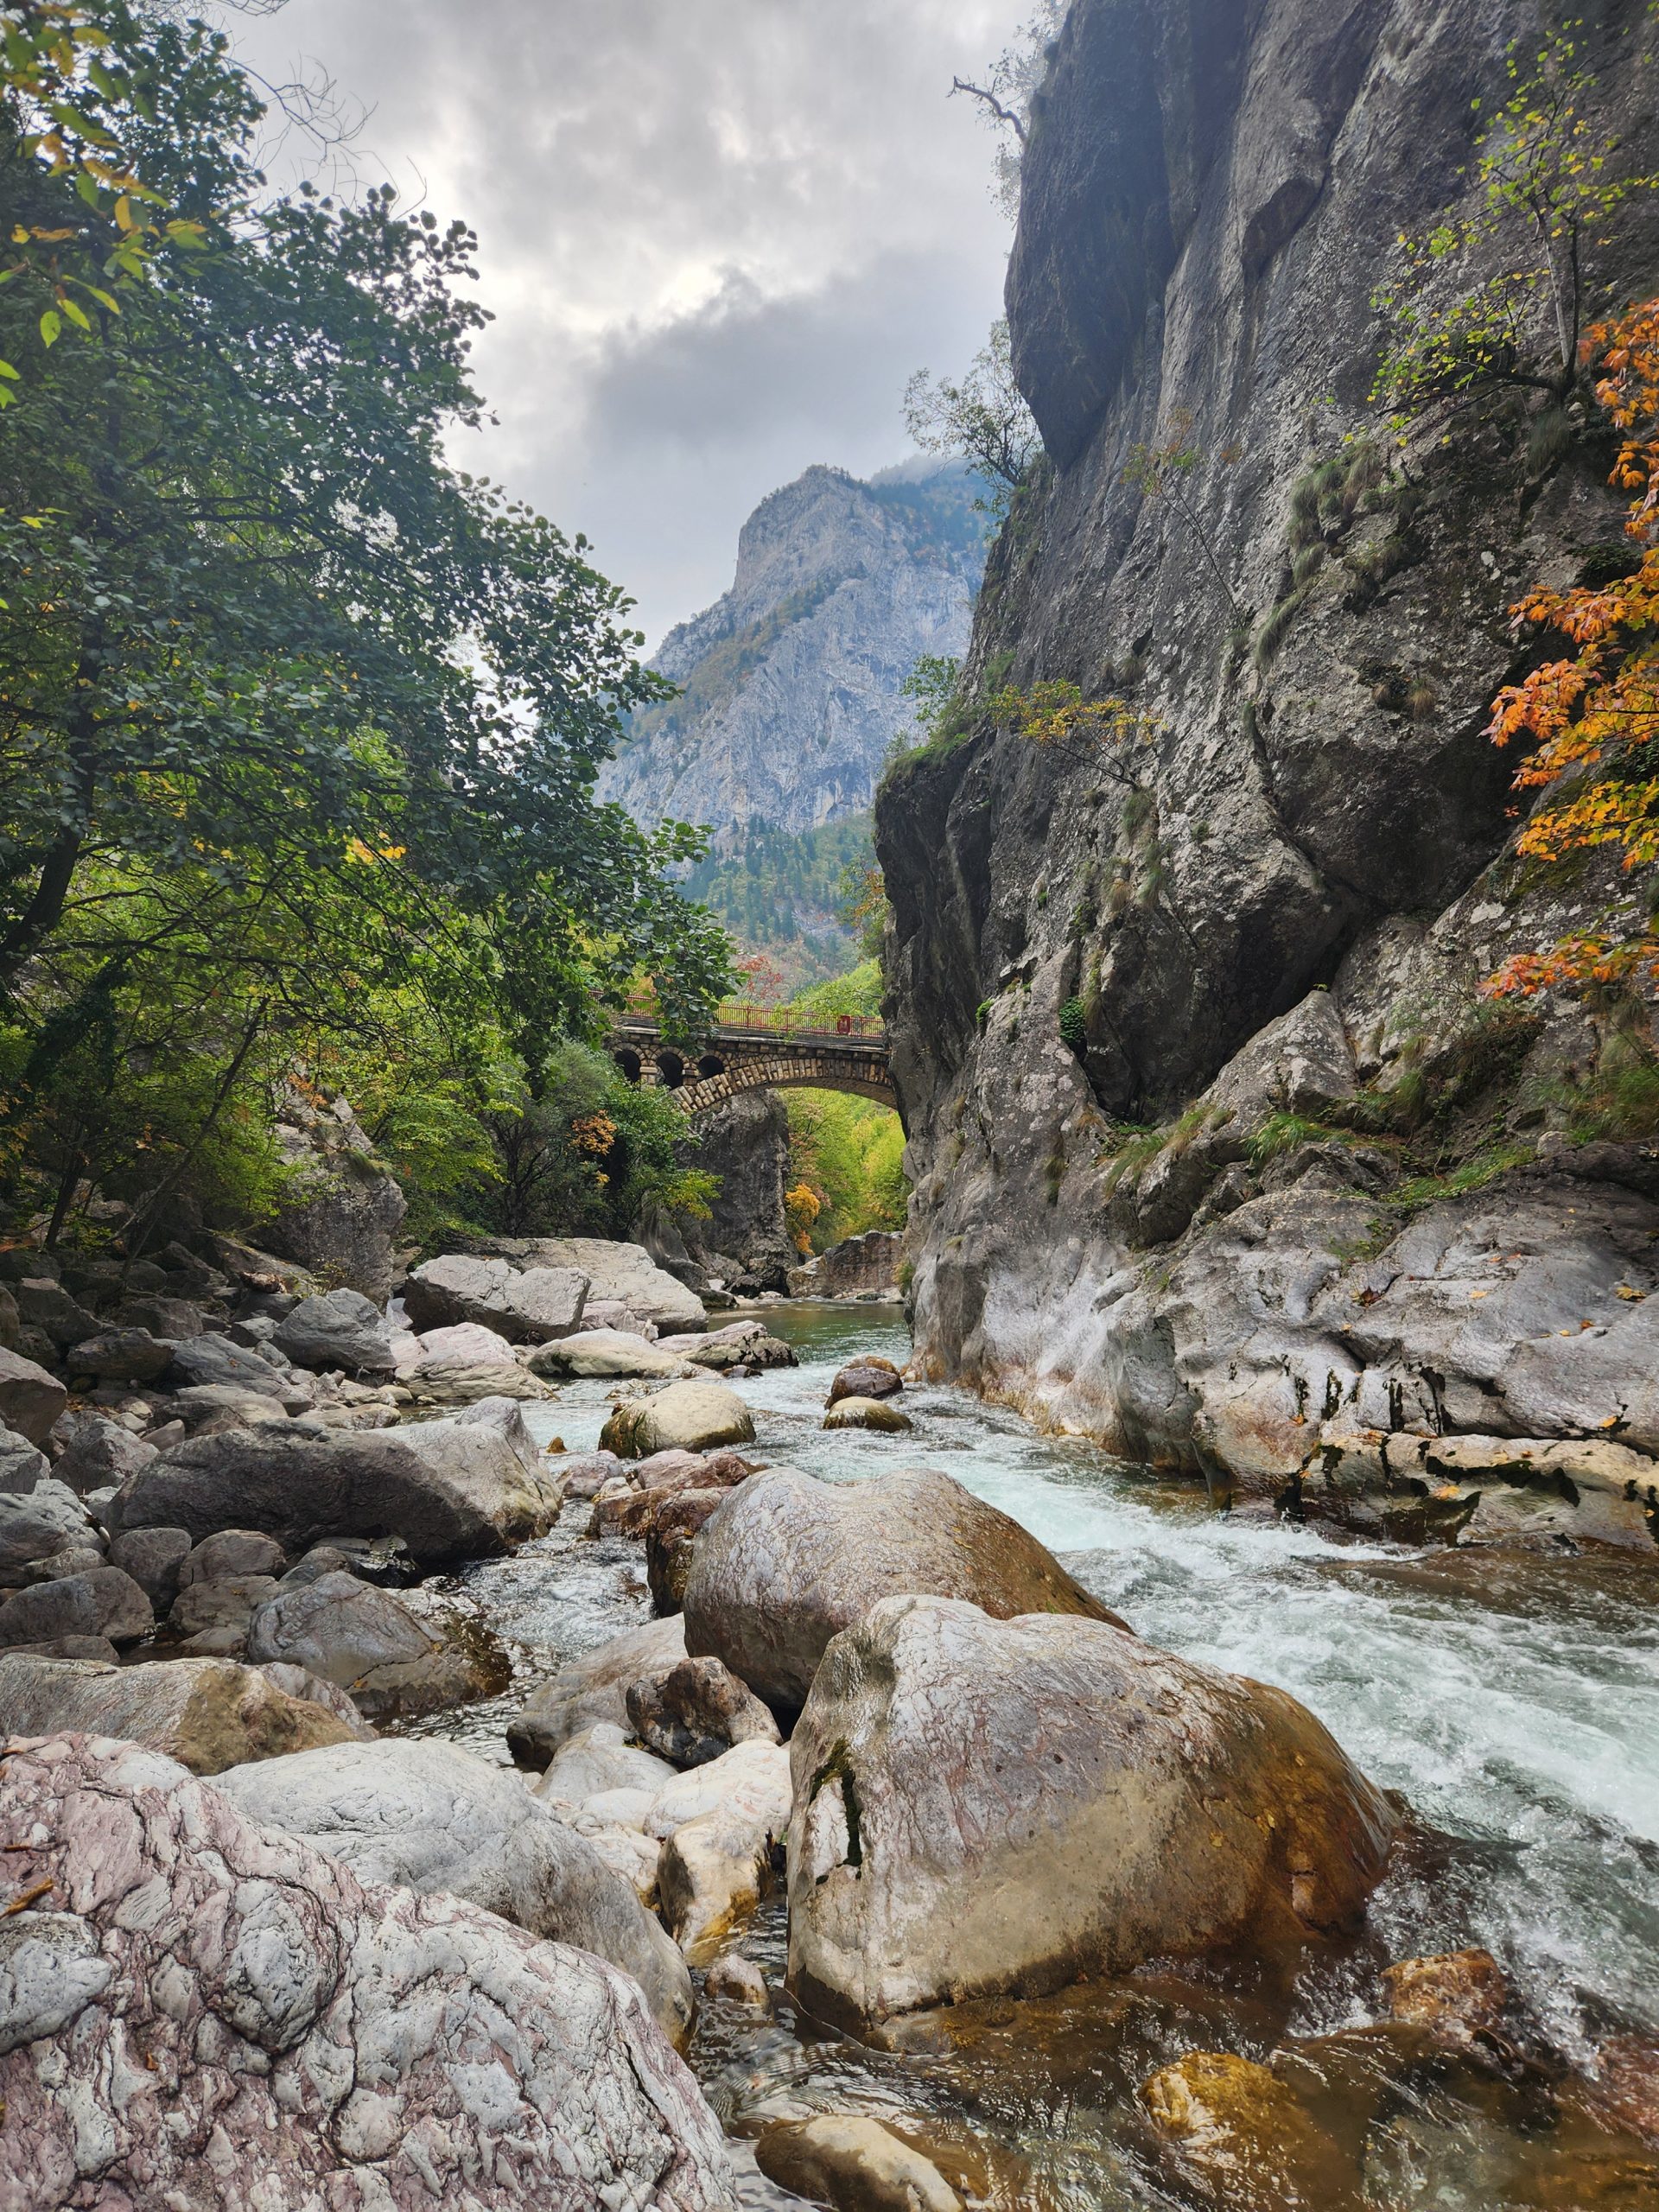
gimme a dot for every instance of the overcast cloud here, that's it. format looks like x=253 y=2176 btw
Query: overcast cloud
x=716 y=236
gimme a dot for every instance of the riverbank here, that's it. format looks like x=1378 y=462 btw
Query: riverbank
x=1512 y=1698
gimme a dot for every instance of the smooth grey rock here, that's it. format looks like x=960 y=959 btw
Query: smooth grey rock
x=341 y=1330
x=606 y=1352
x=619 y=1274
x=233 y=1551
x=592 y=1690
x=119 y=1355
x=222 y=1601
x=451 y=1490
x=34 y=1523
x=526 y=1305
x=100 y=1452
x=598 y=1761
x=440 y=1382
x=208 y=1712
x=433 y=1818
x=154 y=1558
x=100 y=1602
x=170 y=1320
x=467 y=1340
x=30 y=1399
x=21 y=1464
x=683 y=1416
x=390 y=1663
x=215 y=1362
x=987 y=1806
x=321 y=2036
x=48 y=1307
x=695 y=1713
x=789 y=1561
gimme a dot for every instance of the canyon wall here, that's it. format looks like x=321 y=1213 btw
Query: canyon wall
x=1287 y=1179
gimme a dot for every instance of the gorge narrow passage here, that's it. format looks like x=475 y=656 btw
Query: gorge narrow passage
x=1512 y=1700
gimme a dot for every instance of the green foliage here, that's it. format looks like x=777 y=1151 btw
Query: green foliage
x=1276 y=627
x=1421 y=1191
x=1074 y=1025
x=858 y=992
x=1548 y=198
x=787 y=895
x=850 y=1153
x=984 y=419
x=299 y=724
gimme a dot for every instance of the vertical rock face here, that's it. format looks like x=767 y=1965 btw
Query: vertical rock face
x=1266 y=917
x=345 y=1211
x=746 y=1143
x=792 y=681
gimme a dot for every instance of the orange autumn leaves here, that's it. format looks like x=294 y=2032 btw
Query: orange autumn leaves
x=1594 y=719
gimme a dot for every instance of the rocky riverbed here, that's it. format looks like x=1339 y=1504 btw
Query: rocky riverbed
x=1511 y=1700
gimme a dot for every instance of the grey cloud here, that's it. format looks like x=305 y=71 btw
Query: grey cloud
x=716 y=236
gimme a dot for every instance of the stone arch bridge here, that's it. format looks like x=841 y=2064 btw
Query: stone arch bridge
x=757 y=1051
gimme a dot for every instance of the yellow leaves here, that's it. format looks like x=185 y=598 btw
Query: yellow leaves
x=1631 y=1296
x=367 y=855
x=594 y=1135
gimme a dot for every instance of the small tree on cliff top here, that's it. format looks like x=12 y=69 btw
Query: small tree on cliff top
x=1548 y=198
x=1595 y=717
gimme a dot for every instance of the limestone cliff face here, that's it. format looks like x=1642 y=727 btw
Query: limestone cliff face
x=791 y=682
x=1231 y=1220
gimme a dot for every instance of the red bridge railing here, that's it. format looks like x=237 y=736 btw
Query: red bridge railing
x=779 y=1021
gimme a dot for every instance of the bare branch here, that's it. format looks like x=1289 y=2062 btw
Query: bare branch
x=1003 y=112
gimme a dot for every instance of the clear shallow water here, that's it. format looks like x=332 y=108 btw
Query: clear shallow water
x=1513 y=1701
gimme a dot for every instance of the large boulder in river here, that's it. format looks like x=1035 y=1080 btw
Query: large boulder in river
x=533 y=1305
x=788 y=1562
x=984 y=1806
x=390 y=1664
x=209 y=1713
x=594 y=1689
x=617 y=1274
x=465 y=1488
x=343 y=1330
x=430 y=1817
x=305 y=2039
x=608 y=1353
x=683 y=1417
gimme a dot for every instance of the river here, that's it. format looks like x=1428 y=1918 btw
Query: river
x=1513 y=1701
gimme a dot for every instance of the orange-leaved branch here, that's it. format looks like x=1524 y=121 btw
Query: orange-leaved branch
x=1594 y=719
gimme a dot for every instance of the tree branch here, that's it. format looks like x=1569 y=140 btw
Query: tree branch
x=1003 y=112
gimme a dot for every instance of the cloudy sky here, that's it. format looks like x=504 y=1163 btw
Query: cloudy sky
x=717 y=236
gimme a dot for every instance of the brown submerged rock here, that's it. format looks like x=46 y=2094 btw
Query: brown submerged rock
x=1244 y=2140
x=788 y=1562
x=853 y=2164
x=988 y=1806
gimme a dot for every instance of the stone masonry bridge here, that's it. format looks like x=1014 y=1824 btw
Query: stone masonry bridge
x=757 y=1050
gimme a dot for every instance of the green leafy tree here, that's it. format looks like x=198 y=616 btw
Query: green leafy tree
x=299 y=724
x=983 y=420
x=1548 y=194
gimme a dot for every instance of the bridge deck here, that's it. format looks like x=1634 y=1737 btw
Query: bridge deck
x=756 y=1051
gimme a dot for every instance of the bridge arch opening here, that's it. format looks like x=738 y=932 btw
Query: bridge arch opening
x=671 y=1068
x=630 y=1063
x=710 y=1065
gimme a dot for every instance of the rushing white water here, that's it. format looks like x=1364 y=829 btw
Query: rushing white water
x=1516 y=1704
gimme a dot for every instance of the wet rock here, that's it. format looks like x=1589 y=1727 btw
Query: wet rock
x=30 y=1399
x=867 y=1378
x=695 y=1713
x=531 y=1306
x=586 y=1473
x=593 y=1691
x=390 y=1664
x=857 y=1264
x=1461 y=1997
x=867 y=1413
x=671 y=1543
x=789 y=1561
x=711 y=1873
x=1242 y=2139
x=153 y=1557
x=433 y=1818
x=1102 y=1802
x=209 y=1713
x=342 y=1329
x=743 y=1343
x=853 y=2164
x=121 y=1355
x=606 y=1352
x=636 y=1506
x=331 y=2039
x=1622 y=2093
x=455 y=1489
x=685 y=1417
x=734 y=1979
x=37 y=1522
x=97 y=1453
x=101 y=1602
